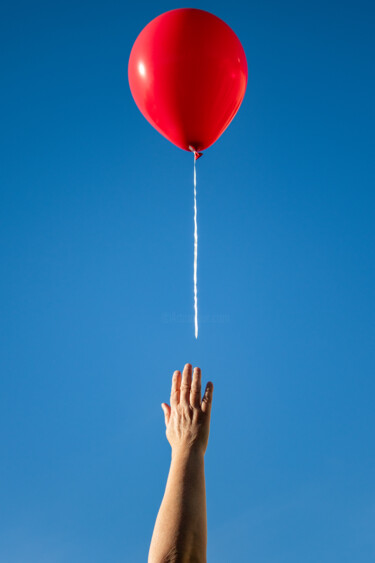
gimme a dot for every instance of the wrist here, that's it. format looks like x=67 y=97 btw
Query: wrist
x=185 y=452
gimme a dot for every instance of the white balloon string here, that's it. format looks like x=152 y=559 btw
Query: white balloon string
x=195 y=250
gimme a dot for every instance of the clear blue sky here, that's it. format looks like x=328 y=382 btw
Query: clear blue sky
x=96 y=295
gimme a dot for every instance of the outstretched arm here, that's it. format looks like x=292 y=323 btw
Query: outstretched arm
x=180 y=533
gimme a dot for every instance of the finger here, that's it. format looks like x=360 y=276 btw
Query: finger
x=207 y=397
x=175 y=391
x=186 y=385
x=167 y=412
x=195 y=392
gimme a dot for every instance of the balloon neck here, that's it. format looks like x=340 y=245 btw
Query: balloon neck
x=196 y=153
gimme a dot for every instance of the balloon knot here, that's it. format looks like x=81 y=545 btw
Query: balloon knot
x=197 y=155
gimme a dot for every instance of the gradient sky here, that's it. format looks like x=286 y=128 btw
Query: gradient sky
x=96 y=294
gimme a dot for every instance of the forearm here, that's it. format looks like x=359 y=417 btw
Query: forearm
x=180 y=533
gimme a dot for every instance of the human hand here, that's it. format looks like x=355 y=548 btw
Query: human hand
x=187 y=419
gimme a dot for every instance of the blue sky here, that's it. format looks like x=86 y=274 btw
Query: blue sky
x=96 y=295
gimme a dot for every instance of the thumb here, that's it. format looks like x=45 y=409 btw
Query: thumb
x=167 y=412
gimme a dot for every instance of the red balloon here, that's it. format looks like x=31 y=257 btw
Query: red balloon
x=188 y=75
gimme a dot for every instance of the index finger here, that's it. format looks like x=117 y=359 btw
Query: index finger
x=175 y=391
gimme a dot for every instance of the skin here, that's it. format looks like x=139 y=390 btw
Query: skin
x=180 y=532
